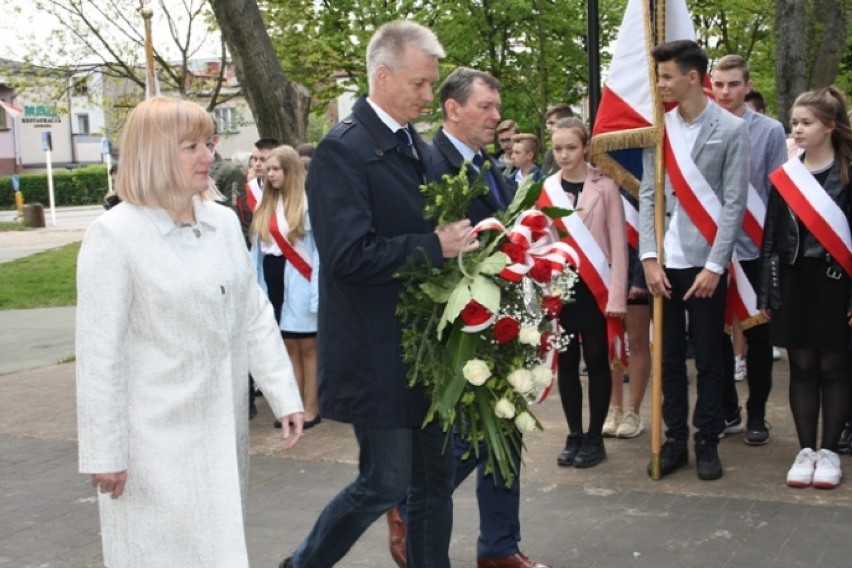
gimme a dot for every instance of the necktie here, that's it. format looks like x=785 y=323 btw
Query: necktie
x=407 y=144
x=494 y=189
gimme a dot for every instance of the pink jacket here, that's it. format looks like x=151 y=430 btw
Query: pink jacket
x=601 y=210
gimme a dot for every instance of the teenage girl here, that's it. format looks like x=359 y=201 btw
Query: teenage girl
x=288 y=267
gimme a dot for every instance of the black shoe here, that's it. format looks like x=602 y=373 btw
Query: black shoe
x=572 y=445
x=673 y=456
x=286 y=563
x=311 y=423
x=757 y=432
x=277 y=424
x=733 y=424
x=707 y=459
x=844 y=446
x=591 y=453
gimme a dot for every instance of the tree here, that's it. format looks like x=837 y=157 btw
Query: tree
x=280 y=106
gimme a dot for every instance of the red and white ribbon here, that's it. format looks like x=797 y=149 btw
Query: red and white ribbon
x=297 y=255
x=593 y=266
x=703 y=207
x=253 y=194
x=631 y=222
x=817 y=210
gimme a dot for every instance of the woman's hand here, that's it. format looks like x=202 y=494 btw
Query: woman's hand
x=110 y=482
x=291 y=428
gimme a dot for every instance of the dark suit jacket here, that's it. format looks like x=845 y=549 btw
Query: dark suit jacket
x=367 y=216
x=445 y=159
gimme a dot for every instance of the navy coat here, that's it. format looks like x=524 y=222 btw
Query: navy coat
x=445 y=159
x=367 y=215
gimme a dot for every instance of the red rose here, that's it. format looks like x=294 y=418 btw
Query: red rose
x=541 y=272
x=552 y=306
x=475 y=313
x=516 y=253
x=506 y=329
x=536 y=222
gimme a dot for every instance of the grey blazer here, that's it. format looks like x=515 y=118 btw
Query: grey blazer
x=721 y=153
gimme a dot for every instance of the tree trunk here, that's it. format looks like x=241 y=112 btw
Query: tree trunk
x=790 y=72
x=832 y=22
x=280 y=106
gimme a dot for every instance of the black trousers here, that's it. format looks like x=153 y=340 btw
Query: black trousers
x=706 y=323
x=758 y=361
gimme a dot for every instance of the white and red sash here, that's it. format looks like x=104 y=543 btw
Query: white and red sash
x=631 y=222
x=298 y=256
x=253 y=194
x=817 y=210
x=703 y=207
x=755 y=213
x=593 y=266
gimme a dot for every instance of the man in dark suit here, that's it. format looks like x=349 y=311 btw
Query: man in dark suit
x=367 y=215
x=470 y=103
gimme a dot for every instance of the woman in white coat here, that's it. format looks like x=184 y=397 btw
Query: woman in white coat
x=170 y=319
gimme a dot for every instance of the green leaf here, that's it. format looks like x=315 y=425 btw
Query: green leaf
x=487 y=293
x=455 y=304
x=556 y=212
x=461 y=348
x=439 y=291
x=493 y=264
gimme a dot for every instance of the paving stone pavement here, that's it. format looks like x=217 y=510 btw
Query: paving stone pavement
x=612 y=515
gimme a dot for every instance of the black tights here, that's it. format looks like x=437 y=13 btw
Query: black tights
x=819 y=378
x=596 y=355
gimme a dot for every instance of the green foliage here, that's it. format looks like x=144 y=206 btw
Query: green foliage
x=44 y=279
x=83 y=186
x=13 y=226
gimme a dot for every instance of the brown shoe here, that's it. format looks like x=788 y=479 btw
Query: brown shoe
x=517 y=560
x=397 y=533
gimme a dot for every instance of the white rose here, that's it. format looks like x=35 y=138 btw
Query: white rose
x=542 y=376
x=521 y=380
x=504 y=409
x=476 y=372
x=525 y=422
x=529 y=336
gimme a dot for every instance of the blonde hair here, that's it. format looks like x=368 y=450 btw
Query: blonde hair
x=150 y=173
x=293 y=194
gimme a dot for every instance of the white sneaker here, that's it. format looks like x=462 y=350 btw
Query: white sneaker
x=802 y=472
x=739 y=368
x=776 y=354
x=613 y=419
x=827 y=474
x=631 y=425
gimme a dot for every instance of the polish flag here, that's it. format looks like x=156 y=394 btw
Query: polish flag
x=625 y=118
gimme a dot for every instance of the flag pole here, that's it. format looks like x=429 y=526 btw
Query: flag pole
x=151 y=88
x=658 y=9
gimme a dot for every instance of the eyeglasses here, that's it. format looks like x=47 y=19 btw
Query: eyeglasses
x=504 y=140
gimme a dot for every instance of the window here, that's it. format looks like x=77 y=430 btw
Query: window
x=80 y=87
x=226 y=119
x=82 y=124
x=3 y=124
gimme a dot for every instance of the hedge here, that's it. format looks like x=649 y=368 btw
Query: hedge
x=82 y=186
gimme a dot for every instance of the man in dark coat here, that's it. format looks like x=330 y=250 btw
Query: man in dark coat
x=470 y=103
x=367 y=215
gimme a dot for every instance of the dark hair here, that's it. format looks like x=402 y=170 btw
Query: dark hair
x=561 y=110
x=267 y=144
x=829 y=106
x=686 y=53
x=759 y=102
x=305 y=150
x=459 y=84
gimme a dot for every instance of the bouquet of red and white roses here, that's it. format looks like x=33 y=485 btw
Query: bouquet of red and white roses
x=482 y=334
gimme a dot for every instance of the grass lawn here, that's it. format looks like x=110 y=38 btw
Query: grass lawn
x=44 y=279
x=13 y=226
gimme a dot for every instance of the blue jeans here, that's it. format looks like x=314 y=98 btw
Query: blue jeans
x=499 y=508
x=393 y=463
x=706 y=323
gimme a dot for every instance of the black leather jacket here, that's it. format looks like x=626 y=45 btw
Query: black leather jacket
x=781 y=240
